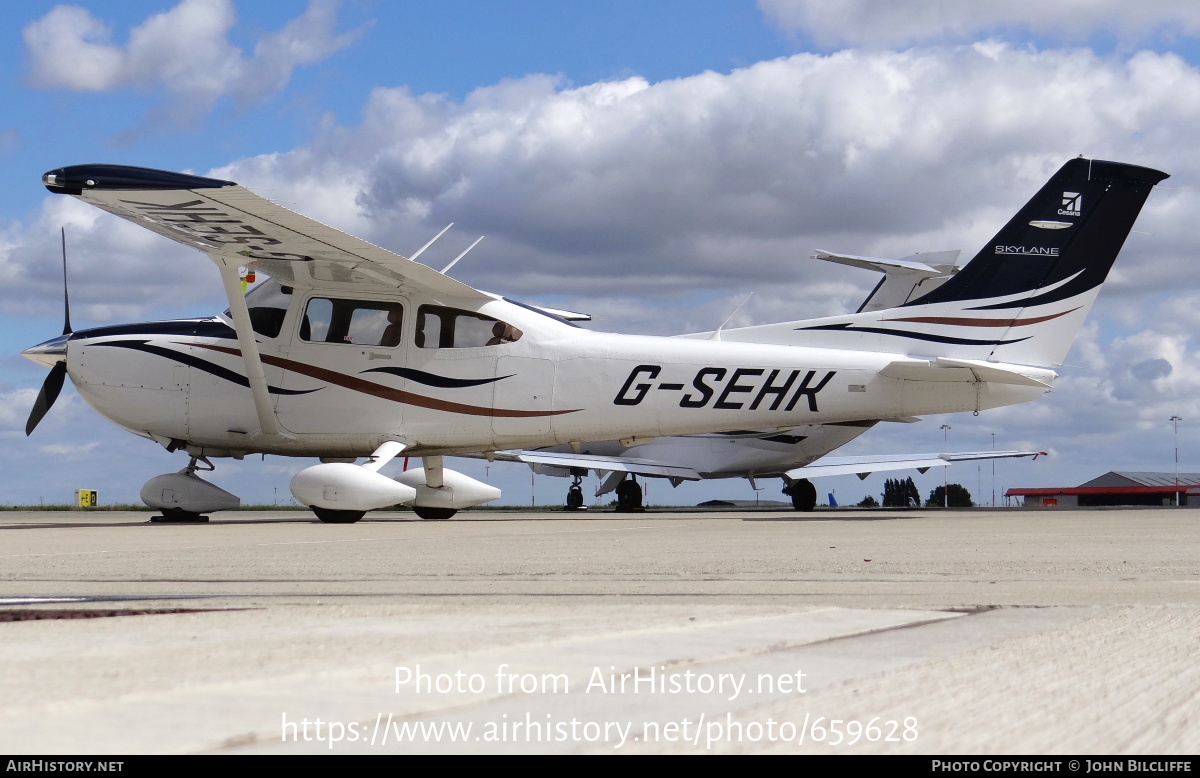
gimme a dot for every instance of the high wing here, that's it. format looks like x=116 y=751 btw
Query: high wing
x=864 y=466
x=236 y=227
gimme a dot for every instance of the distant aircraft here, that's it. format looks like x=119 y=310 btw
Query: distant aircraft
x=350 y=350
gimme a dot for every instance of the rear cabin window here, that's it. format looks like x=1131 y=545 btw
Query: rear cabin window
x=440 y=327
x=355 y=322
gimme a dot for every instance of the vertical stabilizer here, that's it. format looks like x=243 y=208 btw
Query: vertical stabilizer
x=1065 y=239
x=1023 y=297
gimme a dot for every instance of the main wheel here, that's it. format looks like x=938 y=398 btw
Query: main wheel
x=330 y=516
x=803 y=494
x=629 y=496
x=433 y=514
x=574 y=498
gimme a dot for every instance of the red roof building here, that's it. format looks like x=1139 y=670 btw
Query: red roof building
x=1117 y=489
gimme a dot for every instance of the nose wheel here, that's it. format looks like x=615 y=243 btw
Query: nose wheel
x=329 y=516
x=185 y=497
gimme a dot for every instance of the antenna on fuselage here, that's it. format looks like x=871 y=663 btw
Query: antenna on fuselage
x=431 y=241
x=460 y=256
x=717 y=332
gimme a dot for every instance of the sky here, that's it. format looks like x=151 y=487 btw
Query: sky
x=648 y=163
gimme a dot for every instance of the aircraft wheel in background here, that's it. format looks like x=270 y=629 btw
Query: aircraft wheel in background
x=629 y=496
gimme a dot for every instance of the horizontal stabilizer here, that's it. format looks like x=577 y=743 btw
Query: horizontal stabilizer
x=903 y=279
x=946 y=369
x=934 y=263
x=864 y=466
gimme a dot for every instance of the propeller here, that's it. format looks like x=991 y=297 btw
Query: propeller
x=50 y=389
x=54 y=382
x=66 y=297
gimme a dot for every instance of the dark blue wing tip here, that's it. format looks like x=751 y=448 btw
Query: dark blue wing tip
x=75 y=179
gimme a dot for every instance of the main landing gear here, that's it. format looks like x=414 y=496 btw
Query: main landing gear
x=803 y=494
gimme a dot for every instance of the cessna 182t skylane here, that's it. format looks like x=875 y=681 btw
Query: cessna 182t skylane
x=351 y=350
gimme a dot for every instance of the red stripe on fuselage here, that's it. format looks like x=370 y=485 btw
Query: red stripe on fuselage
x=963 y=322
x=378 y=390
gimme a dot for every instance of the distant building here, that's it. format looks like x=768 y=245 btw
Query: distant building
x=1116 y=489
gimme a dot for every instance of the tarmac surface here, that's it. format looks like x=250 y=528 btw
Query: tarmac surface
x=907 y=631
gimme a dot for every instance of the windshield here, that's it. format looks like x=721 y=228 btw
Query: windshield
x=268 y=303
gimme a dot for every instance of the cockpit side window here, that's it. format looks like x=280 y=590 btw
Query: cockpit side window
x=357 y=322
x=441 y=327
x=268 y=303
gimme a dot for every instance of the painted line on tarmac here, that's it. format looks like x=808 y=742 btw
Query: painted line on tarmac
x=38 y=600
x=192 y=548
x=314 y=542
x=609 y=529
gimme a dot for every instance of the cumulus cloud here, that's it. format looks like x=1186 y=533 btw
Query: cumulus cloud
x=185 y=52
x=116 y=270
x=887 y=23
x=14 y=409
x=720 y=180
x=691 y=192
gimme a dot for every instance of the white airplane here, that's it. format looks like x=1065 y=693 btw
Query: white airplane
x=350 y=350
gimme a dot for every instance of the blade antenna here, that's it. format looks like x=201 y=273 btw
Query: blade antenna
x=421 y=250
x=66 y=299
x=460 y=256
x=717 y=332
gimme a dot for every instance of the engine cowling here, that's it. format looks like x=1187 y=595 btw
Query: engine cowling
x=458 y=491
x=341 y=486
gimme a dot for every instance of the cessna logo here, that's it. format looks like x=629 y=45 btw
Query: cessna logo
x=1037 y=251
x=732 y=390
x=1072 y=204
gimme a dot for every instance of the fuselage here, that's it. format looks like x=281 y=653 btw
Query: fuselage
x=347 y=369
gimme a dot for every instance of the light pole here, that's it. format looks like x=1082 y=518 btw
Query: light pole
x=1175 y=420
x=946 y=476
x=993 y=471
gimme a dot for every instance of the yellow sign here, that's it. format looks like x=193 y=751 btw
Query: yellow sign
x=87 y=498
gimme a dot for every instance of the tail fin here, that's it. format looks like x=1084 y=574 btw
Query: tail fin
x=1064 y=240
x=1023 y=297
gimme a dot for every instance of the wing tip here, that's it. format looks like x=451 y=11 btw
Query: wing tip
x=75 y=179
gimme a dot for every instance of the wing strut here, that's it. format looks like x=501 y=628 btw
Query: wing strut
x=249 y=346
